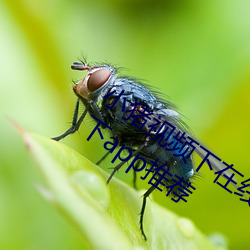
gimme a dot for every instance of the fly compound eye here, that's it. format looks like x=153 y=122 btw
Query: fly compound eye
x=97 y=79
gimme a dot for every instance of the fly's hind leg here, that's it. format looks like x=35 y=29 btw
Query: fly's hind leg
x=137 y=165
x=144 y=201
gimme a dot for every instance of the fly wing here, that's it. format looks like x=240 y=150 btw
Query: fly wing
x=173 y=117
x=216 y=165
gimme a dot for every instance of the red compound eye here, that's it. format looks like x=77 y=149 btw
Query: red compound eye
x=97 y=79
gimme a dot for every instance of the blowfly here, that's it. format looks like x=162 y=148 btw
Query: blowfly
x=158 y=132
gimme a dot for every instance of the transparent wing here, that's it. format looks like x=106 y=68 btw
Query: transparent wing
x=215 y=164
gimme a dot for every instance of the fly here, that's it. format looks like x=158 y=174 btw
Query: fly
x=110 y=99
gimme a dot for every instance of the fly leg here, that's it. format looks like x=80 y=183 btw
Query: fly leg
x=122 y=163
x=103 y=158
x=75 y=124
x=115 y=170
x=134 y=174
x=149 y=191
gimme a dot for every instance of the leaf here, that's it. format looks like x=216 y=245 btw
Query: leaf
x=106 y=215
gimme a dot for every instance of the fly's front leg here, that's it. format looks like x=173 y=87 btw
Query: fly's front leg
x=94 y=109
x=75 y=124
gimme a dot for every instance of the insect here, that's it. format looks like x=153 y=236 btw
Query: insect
x=101 y=89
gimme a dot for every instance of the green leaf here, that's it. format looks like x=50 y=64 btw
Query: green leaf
x=106 y=215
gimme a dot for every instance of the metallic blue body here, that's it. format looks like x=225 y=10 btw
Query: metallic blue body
x=130 y=135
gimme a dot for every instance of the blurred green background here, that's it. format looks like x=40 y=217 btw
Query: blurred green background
x=195 y=52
